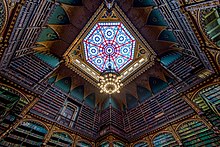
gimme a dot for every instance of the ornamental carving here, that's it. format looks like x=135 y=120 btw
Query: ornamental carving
x=3 y=15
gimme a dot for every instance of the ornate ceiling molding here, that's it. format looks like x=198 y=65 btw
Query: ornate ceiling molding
x=144 y=55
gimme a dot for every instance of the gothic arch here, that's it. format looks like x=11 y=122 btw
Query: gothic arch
x=163 y=133
x=190 y=120
x=34 y=121
x=140 y=142
x=206 y=86
x=83 y=140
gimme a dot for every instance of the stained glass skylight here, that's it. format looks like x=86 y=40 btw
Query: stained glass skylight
x=104 y=37
x=109 y=40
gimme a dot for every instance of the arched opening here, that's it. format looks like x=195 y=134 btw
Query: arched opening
x=104 y=144
x=91 y=100
x=131 y=101
x=78 y=93
x=212 y=24
x=64 y=84
x=11 y=105
x=83 y=144
x=28 y=133
x=60 y=139
x=141 y=144
x=143 y=93
x=118 y=144
x=8 y=101
x=208 y=100
x=164 y=139
x=157 y=84
x=68 y=114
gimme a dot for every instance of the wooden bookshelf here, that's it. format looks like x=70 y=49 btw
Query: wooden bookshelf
x=141 y=144
x=155 y=112
x=26 y=134
x=12 y=102
x=60 y=140
x=29 y=67
x=208 y=100
x=86 y=120
x=50 y=104
x=82 y=144
x=165 y=139
x=184 y=66
x=196 y=133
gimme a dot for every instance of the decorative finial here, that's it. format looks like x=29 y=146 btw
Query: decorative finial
x=109 y=3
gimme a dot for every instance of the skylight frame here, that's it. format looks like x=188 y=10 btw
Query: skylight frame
x=119 y=50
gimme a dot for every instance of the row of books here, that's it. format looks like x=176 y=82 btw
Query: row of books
x=196 y=133
x=32 y=134
x=184 y=67
x=86 y=121
x=164 y=139
x=58 y=139
x=212 y=95
x=34 y=126
x=26 y=132
x=208 y=100
x=13 y=114
x=141 y=144
x=156 y=111
x=117 y=118
x=31 y=68
x=62 y=136
x=50 y=104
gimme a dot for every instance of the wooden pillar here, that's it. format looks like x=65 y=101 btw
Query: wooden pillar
x=149 y=141
x=195 y=107
x=198 y=111
x=27 y=109
x=176 y=136
x=48 y=135
x=111 y=139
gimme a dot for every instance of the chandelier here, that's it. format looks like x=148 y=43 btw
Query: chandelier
x=110 y=81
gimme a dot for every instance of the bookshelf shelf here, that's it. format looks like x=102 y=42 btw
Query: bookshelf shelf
x=195 y=133
x=155 y=112
x=26 y=134
x=59 y=139
x=165 y=139
x=141 y=144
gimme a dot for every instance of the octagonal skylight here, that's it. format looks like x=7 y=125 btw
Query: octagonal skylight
x=109 y=40
x=109 y=44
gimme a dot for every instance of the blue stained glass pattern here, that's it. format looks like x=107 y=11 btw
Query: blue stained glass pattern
x=109 y=40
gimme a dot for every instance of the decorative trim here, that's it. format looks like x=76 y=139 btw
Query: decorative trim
x=17 y=91
x=11 y=26
x=57 y=125
x=195 y=118
x=193 y=94
x=211 y=79
x=5 y=13
x=161 y=132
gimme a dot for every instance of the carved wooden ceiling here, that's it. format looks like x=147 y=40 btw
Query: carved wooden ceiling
x=45 y=41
